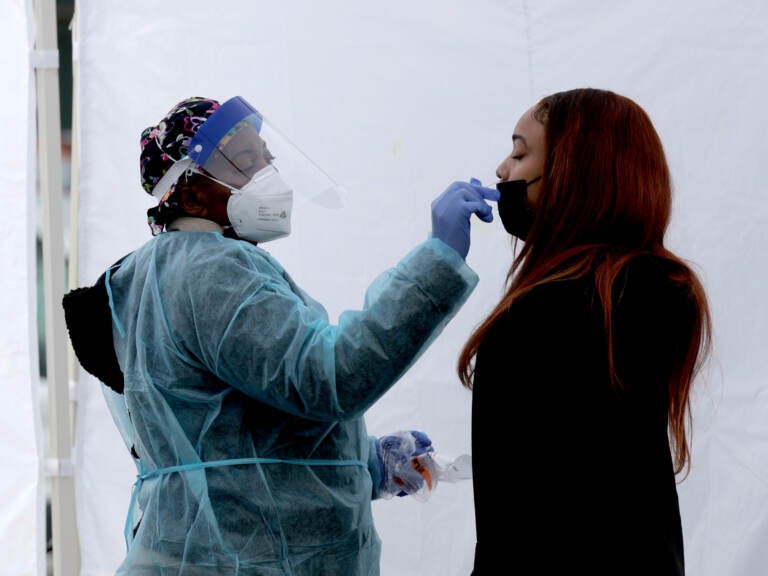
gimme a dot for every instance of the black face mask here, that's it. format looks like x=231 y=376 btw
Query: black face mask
x=515 y=214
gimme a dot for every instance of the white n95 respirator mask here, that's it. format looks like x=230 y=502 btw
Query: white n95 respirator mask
x=260 y=211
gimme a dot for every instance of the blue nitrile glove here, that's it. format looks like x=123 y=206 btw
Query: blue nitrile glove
x=405 y=463
x=452 y=210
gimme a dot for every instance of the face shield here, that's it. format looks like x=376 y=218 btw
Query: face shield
x=236 y=142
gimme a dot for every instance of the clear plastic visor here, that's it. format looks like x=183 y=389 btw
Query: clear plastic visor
x=236 y=142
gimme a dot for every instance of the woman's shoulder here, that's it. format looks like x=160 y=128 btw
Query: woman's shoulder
x=560 y=294
x=653 y=292
x=646 y=282
x=211 y=249
x=653 y=277
x=190 y=260
x=560 y=305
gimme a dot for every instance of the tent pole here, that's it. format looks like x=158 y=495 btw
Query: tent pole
x=66 y=556
x=74 y=206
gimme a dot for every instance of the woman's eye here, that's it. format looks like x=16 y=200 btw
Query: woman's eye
x=246 y=162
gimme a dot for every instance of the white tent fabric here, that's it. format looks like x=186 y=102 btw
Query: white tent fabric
x=396 y=100
x=22 y=489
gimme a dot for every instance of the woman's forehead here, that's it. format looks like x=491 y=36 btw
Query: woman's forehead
x=528 y=127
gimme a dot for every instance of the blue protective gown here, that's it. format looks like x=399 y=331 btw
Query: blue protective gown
x=245 y=405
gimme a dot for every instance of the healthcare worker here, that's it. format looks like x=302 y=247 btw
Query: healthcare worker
x=242 y=403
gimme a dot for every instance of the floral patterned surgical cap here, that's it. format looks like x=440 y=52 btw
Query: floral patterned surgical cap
x=166 y=143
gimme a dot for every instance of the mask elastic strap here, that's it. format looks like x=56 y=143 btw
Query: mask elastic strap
x=268 y=169
x=170 y=177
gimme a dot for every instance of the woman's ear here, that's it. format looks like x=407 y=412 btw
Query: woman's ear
x=193 y=202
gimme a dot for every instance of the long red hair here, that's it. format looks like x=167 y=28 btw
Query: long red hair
x=605 y=198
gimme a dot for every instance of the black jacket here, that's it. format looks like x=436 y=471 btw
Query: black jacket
x=569 y=476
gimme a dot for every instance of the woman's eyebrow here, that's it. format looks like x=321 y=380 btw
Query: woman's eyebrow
x=518 y=137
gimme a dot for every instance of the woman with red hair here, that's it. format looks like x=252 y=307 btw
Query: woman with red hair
x=582 y=373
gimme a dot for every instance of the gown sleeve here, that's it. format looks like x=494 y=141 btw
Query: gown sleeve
x=250 y=325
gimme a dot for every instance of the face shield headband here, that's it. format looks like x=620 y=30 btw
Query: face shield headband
x=236 y=142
